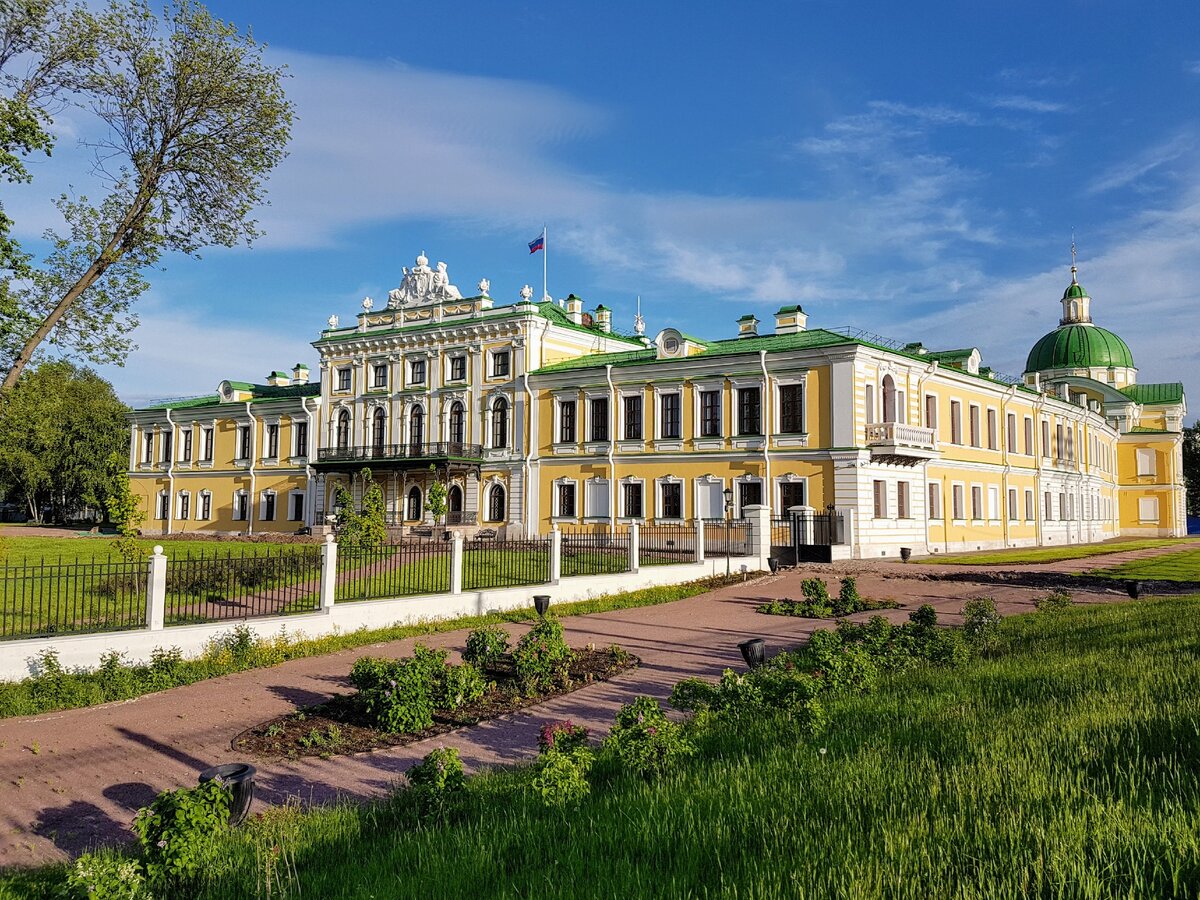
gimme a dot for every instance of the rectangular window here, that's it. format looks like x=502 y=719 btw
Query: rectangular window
x=791 y=409
x=935 y=500
x=1147 y=509
x=566 y=424
x=1045 y=438
x=669 y=425
x=164 y=504
x=956 y=502
x=749 y=494
x=1010 y=438
x=166 y=446
x=379 y=373
x=1059 y=442
x=500 y=364
x=672 y=499
x=1013 y=508
x=416 y=371
x=268 y=510
x=631 y=493
x=955 y=422
x=976 y=502
x=880 y=499
x=297 y=510
x=1145 y=461
x=566 y=500
x=243 y=442
x=458 y=368
x=599 y=414
x=633 y=418
x=185 y=506
x=975 y=435
x=596 y=497
x=931 y=417
x=1062 y=506
x=902 y=505
x=993 y=431
x=750 y=410
x=148 y=447
x=1028 y=436
x=1030 y=506
x=206 y=438
x=272 y=442
x=240 y=505
x=300 y=430
x=993 y=499
x=343 y=379
x=185 y=450
x=205 y=506
x=710 y=413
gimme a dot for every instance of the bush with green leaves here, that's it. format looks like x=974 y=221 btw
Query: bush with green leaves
x=437 y=782
x=848 y=600
x=105 y=877
x=562 y=776
x=563 y=736
x=981 y=624
x=486 y=645
x=399 y=695
x=460 y=685
x=1055 y=601
x=178 y=832
x=542 y=657
x=645 y=741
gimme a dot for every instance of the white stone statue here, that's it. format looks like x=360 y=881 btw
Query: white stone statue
x=422 y=284
x=526 y=293
x=484 y=286
x=333 y=321
x=639 y=325
x=367 y=304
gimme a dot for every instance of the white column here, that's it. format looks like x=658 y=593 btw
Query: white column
x=802 y=517
x=555 y=555
x=328 y=573
x=699 y=524
x=456 y=563
x=156 y=595
x=759 y=516
x=634 y=548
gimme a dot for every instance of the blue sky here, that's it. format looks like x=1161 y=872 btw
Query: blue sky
x=911 y=169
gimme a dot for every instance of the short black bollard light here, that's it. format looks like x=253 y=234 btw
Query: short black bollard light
x=754 y=652
x=1134 y=589
x=905 y=554
x=541 y=602
x=239 y=778
x=773 y=563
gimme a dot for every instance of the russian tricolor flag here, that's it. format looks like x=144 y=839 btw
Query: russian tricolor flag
x=538 y=243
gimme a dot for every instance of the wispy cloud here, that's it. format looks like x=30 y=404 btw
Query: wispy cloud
x=1192 y=67
x=1021 y=103
x=1145 y=162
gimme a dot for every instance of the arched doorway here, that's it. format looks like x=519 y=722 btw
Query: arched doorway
x=413 y=511
x=454 y=504
x=497 y=505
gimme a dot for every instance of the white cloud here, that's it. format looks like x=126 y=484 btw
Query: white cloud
x=1132 y=170
x=1021 y=103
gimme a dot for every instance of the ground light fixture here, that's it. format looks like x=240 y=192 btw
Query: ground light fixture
x=239 y=779
x=754 y=652
x=541 y=603
x=1134 y=589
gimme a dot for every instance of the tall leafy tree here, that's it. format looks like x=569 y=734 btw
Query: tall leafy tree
x=193 y=122
x=61 y=427
x=1191 y=467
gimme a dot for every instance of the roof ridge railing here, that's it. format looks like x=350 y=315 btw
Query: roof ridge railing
x=861 y=334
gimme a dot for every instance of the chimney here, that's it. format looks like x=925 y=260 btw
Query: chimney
x=575 y=309
x=748 y=326
x=604 y=318
x=278 y=379
x=300 y=374
x=790 y=319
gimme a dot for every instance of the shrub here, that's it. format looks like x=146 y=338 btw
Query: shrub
x=437 y=782
x=166 y=668
x=842 y=665
x=400 y=695
x=177 y=831
x=486 y=645
x=981 y=623
x=460 y=685
x=925 y=616
x=99 y=877
x=542 y=656
x=564 y=736
x=816 y=598
x=1054 y=602
x=645 y=741
x=561 y=778
x=848 y=600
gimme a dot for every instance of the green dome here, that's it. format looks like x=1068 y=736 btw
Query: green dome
x=1074 y=290
x=1079 y=347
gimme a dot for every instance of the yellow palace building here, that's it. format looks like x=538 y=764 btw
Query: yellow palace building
x=539 y=414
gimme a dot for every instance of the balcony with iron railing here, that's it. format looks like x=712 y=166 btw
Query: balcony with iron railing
x=900 y=442
x=408 y=453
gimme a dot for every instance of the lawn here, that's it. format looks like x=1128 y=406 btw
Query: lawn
x=1066 y=766
x=1047 y=554
x=19 y=551
x=1182 y=566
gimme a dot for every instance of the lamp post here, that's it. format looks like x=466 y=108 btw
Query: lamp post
x=728 y=494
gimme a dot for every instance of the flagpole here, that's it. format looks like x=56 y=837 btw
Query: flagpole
x=545 y=257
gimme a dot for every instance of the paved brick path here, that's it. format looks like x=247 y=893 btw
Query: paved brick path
x=72 y=779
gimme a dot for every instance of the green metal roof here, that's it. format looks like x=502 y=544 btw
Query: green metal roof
x=1170 y=392
x=1142 y=429
x=187 y=402
x=789 y=309
x=1074 y=291
x=950 y=354
x=1079 y=347
x=259 y=393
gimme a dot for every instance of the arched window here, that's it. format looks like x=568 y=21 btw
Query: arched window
x=497 y=507
x=378 y=431
x=454 y=503
x=416 y=426
x=500 y=423
x=343 y=430
x=414 y=511
x=889 y=399
x=458 y=423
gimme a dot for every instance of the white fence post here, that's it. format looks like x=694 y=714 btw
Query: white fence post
x=634 y=548
x=156 y=593
x=456 y=563
x=328 y=573
x=760 y=533
x=555 y=555
x=699 y=539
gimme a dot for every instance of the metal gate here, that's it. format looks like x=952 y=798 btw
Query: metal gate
x=814 y=534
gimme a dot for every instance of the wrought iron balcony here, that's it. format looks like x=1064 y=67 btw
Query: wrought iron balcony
x=897 y=442
x=400 y=453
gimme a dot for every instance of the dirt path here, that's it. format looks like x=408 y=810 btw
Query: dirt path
x=72 y=779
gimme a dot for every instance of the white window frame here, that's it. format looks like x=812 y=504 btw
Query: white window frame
x=451 y=359
x=267 y=424
x=296 y=425
x=993 y=503
x=789 y=478
x=294 y=495
x=558 y=444
x=661 y=442
x=904 y=499
x=958 y=501
x=934 y=501
x=182 y=499
x=625 y=482
x=493 y=355
x=956 y=422
x=879 y=498
x=376 y=366
x=630 y=443
x=204 y=506
x=346 y=374
x=556 y=513
x=597 y=487
x=262 y=504
x=163 y=506
x=738 y=484
x=790 y=438
x=415 y=364
x=699 y=440
x=246 y=508
x=977 y=508
x=704 y=485
x=586 y=419
x=1146 y=463
x=659 y=484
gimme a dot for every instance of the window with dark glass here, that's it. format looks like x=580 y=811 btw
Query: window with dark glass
x=185 y=452
x=633 y=418
x=166 y=446
x=206 y=506
x=672 y=500
x=599 y=423
x=500 y=364
x=378 y=430
x=272 y=442
x=566 y=421
x=297 y=508
x=632 y=495
x=343 y=376
x=749 y=411
x=301 y=431
x=500 y=423
x=710 y=413
x=458 y=423
x=497 y=508
x=185 y=505
x=413 y=511
x=793 y=493
x=243 y=442
x=416 y=427
x=458 y=368
x=148 y=447
x=380 y=375
x=207 y=434
x=749 y=494
x=669 y=424
x=791 y=409
x=343 y=430
x=268 y=507
x=566 y=500
x=416 y=371
x=240 y=505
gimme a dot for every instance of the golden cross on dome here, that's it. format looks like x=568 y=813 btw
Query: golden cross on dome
x=1073 y=268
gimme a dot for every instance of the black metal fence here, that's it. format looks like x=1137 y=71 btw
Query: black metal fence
x=210 y=587
x=498 y=564
x=726 y=537
x=393 y=571
x=660 y=545
x=72 y=598
x=594 y=552
x=781 y=531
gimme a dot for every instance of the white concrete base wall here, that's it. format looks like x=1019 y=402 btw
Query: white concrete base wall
x=85 y=650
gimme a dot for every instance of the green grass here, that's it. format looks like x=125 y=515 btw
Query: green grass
x=1047 y=554
x=1182 y=566
x=99 y=548
x=1067 y=766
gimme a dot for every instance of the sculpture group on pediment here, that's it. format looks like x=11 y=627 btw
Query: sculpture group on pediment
x=421 y=284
